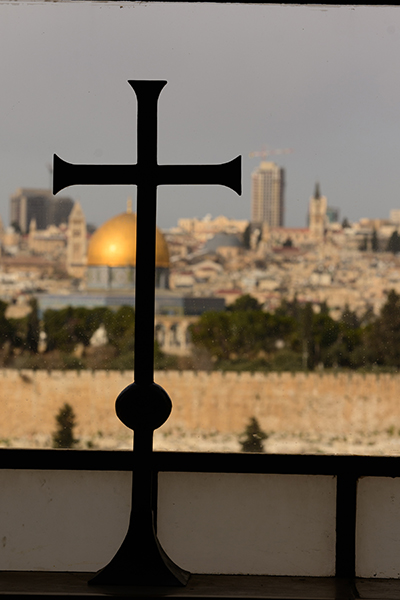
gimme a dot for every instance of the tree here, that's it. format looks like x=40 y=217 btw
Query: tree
x=346 y=351
x=277 y=327
x=240 y=334
x=369 y=317
x=33 y=327
x=374 y=241
x=16 y=226
x=85 y=321
x=247 y=333
x=363 y=246
x=325 y=332
x=56 y=324
x=349 y=318
x=213 y=332
x=120 y=328
x=306 y=323
x=245 y=303
x=63 y=437
x=253 y=437
x=7 y=329
x=394 y=243
x=384 y=336
x=247 y=237
x=324 y=308
x=70 y=326
x=289 y=309
x=316 y=333
x=345 y=223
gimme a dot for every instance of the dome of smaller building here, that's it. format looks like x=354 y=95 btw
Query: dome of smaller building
x=114 y=244
x=222 y=240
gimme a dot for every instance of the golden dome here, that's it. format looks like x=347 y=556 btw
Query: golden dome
x=114 y=243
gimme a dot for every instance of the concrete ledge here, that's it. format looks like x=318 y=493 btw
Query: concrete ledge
x=74 y=585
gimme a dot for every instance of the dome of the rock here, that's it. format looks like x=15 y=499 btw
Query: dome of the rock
x=111 y=257
x=114 y=244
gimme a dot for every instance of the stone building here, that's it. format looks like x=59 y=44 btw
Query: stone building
x=77 y=243
x=203 y=229
x=49 y=242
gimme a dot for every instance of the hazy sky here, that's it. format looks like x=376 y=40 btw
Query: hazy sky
x=322 y=80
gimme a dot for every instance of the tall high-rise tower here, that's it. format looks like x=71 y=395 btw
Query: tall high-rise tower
x=267 y=199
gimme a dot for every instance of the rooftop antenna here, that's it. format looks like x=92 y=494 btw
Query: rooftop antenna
x=265 y=152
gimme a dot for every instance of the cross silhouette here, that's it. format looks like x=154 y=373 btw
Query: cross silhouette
x=144 y=406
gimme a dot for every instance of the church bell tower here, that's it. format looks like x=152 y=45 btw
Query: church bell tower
x=317 y=214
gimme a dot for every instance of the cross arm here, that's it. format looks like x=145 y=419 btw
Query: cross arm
x=66 y=174
x=228 y=174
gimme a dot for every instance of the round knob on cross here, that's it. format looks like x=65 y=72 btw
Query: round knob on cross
x=141 y=406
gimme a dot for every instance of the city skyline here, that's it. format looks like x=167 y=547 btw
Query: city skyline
x=321 y=80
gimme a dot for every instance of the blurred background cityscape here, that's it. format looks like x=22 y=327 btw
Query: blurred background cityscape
x=231 y=295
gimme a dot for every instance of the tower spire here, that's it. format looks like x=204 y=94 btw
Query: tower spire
x=317 y=193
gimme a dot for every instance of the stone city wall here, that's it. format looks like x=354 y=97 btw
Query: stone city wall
x=202 y=401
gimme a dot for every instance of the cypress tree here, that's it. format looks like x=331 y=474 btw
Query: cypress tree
x=63 y=437
x=253 y=437
x=32 y=334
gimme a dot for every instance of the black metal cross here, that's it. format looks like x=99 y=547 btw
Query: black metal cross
x=143 y=405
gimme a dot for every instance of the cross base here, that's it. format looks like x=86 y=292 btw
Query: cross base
x=141 y=562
